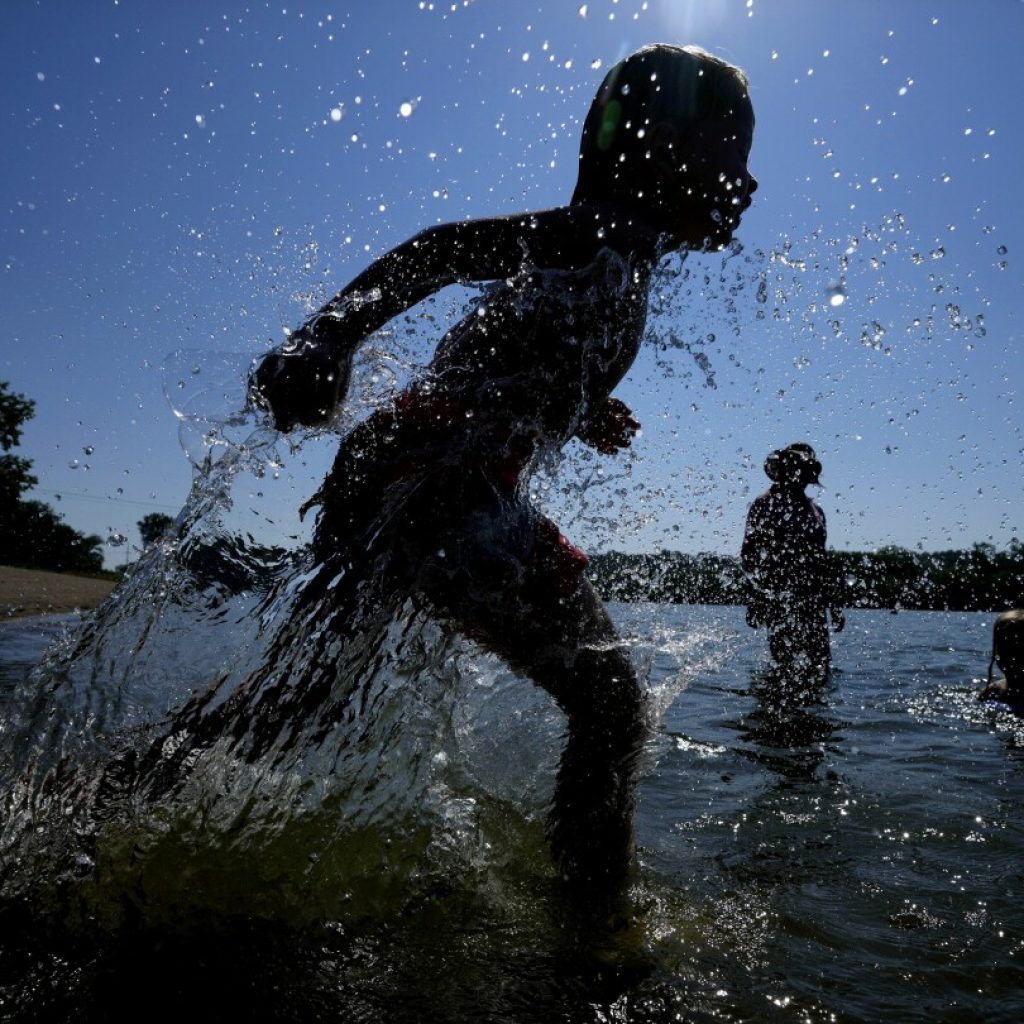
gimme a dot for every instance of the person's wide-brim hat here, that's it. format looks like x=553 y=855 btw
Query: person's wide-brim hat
x=796 y=463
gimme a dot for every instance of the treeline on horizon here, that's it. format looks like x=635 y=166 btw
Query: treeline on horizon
x=32 y=534
x=980 y=578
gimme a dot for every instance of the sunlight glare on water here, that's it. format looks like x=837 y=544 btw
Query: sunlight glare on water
x=757 y=818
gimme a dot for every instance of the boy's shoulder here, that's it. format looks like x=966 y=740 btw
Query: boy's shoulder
x=562 y=237
x=587 y=228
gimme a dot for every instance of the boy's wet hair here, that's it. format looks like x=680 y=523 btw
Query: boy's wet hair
x=658 y=84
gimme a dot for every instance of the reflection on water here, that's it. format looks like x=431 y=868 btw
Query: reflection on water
x=791 y=724
x=849 y=850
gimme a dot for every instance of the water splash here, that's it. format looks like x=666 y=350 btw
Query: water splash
x=220 y=711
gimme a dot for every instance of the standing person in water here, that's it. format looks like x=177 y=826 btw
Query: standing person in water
x=428 y=497
x=784 y=557
x=1008 y=654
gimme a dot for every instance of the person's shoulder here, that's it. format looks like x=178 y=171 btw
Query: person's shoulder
x=761 y=507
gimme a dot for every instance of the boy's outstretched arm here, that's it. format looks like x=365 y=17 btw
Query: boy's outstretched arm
x=303 y=381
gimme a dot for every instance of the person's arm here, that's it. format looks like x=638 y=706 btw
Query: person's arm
x=753 y=592
x=833 y=583
x=994 y=690
x=753 y=539
x=303 y=380
x=458 y=253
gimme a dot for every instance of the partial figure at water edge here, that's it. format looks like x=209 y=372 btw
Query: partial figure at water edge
x=1008 y=654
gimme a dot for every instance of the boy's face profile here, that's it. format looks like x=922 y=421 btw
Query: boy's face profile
x=669 y=133
x=706 y=185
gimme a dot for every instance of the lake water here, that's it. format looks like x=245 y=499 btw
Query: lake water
x=854 y=854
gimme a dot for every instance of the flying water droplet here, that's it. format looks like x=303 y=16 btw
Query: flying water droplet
x=836 y=294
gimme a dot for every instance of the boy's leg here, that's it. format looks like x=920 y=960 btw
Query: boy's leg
x=582 y=663
x=557 y=632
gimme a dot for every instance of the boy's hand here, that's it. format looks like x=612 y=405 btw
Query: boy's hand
x=300 y=385
x=611 y=428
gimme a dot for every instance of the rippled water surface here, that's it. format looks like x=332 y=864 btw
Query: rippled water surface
x=852 y=853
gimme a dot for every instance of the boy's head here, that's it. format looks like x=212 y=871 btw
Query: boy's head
x=670 y=131
x=1008 y=645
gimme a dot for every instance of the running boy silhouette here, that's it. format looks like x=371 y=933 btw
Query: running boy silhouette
x=428 y=497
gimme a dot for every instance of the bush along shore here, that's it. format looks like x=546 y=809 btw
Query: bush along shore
x=980 y=578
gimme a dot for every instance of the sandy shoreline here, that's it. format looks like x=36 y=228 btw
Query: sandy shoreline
x=25 y=592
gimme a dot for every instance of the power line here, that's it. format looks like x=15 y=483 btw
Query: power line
x=107 y=498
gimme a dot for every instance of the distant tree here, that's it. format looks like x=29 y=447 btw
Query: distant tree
x=15 y=480
x=154 y=526
x=14 y=411
x=42 y=540
x=31 y=533
x=15 y=477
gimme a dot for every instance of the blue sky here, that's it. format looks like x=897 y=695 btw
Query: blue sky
x=180 y=181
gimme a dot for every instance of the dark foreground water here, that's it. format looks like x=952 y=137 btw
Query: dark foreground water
x=854 y=854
